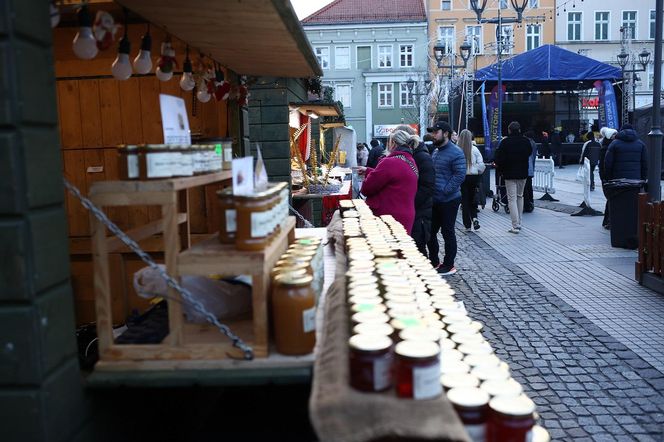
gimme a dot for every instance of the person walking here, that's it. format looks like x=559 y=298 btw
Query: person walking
x=607 y=136
x=390 y=188
x=449 y=165
x=421 y=232
x=626 y=156
x=375 y=154
x=591 y=150
x=474 y=170
x=512 y=163
x=528 y=198
x=362 y=154
x=557 y=147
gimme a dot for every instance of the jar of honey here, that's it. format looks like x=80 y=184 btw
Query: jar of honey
x=417 y=370
x=156 y=161
x=252 y=221
x=227 y=217
x=128 y=162
x=472 y=407
x=511 y=419
x=294 y=313
x=370 y=359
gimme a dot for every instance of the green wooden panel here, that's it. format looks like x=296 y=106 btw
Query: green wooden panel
x=6 y=95
x=64 y=404
x=20 y=419
x=49 y=247
x=13 y=261
x=10 y=197
x=55 y=316
x=19 y=355
x=43 y=166
x=35 y=66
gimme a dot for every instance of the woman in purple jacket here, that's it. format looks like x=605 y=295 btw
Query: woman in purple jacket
x=390 y=188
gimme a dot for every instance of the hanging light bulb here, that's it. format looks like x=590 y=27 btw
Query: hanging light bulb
x=143 y=61
x=121 y=67
x=203 y=95
x=84 y=44
x=187 y=81
x=166 y=62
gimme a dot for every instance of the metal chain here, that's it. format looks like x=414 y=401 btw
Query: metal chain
x=307 y=224
x=173 y=283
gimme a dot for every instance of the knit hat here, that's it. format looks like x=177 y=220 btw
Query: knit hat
x=607 y=132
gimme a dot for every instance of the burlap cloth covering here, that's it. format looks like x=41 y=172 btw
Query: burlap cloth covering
x=340 y=413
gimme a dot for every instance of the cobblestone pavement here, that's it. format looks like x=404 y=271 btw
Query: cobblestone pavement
x=588 y=386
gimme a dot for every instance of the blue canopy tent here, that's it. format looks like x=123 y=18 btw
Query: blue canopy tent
x=548 y=68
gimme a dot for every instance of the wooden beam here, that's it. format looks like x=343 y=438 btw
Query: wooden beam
x=139 y=233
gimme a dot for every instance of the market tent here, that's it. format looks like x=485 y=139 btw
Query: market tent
x=549 y=68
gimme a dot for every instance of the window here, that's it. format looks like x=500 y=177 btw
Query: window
x=406 y=97
x=342 y=93
x=574 y=26
x=406 y=56
x=474 y=36
x=506 y=39
x=323 y=56
x=533 y=36
x=629 y=24
x=342 y=57
x=363 y=57
x=385 y=56
x=446 y=5
x=446 y=37
x=385 y=95
x=533 y=4
x=602 y=25
x=530 y=97
x=653 y=14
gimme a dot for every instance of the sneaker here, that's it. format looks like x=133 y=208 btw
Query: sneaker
x=476 y=224
x=514 y=230
x=447 y=270
x=437 y=266
x=469 y=229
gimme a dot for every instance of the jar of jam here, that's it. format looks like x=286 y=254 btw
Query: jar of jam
x=156 y=161
x=459 y=380
x=226 y=153
x=294 y=313
x=370 y=359
x=417 y=370
x=504 y=388
x=252 y=223
x=227 y=217
x=128 y=162
x=472 y=407
x=511 y=419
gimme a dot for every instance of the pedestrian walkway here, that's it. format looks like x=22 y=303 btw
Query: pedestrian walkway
x=562 y=307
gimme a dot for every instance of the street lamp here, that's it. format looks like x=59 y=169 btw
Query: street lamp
x=519 y=7
x=440 y=51
x=412 y=84
x=655 y=134
x=623 y=60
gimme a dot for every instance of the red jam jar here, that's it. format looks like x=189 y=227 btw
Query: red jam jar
x=370 y=357
x=511 y=419
x=472 y=407
x=417 y=370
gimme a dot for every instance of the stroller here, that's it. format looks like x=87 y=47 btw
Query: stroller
x=500 y=198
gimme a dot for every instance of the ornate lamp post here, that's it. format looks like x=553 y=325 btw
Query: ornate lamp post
x=519 y=7
x=412 y=84
x=623 y=60
x=655 y=135
x=440 y=53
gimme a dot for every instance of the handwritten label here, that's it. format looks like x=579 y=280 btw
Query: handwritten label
x=97 y=169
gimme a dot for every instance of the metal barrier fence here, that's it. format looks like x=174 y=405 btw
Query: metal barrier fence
x=543 y=178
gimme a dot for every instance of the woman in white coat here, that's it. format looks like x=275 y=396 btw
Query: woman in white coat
x=474 y=169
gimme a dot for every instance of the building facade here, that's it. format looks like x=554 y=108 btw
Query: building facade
x=368 y=54
x=600 y=29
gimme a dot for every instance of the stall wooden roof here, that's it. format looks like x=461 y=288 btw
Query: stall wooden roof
x=251 y=37
x=320 y=109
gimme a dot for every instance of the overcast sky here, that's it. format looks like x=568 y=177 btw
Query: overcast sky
x=304 y=8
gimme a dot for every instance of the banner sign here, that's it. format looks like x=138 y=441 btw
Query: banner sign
x=384 y=130
x=494 y=122
x=485 y=125
x=608 y=111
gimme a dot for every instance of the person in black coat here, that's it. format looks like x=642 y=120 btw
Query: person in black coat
x=557 y=147
x=626 y=156
x=608 y=135
x=426 y=184
x=375 y=154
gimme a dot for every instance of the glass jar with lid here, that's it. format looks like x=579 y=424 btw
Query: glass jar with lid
x=370 y=359
x=472 y=407
x=128 y=162
x=252 y=223
x=294 y=313
x=417 y=370
x=511 y=418
x=227 y=216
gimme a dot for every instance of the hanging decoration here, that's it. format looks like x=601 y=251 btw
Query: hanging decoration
x=187 y=81
x=143 y=61
x=243 y=93
x=167 y=62
x=104 y=29
x=222 y=88
x=55 y=14
x=203 y=78
x=84 y=44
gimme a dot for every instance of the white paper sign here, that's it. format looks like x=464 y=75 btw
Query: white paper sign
x=243 y=176
x=174 y=120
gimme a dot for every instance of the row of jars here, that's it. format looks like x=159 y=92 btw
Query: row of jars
x=294 y=297
x=159 y=161
x=408 y=331
x=252 y=221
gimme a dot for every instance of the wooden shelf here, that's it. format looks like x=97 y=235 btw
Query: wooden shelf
x=210 y=257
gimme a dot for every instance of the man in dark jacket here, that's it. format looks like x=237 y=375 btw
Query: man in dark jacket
x=375 y=154
x=511 y=160
x=626 y=157
x=608 y=135
x=421 y=232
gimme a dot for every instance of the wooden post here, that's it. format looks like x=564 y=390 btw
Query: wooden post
x=185 y=229
x=102 y=285
x=641 y=259
x=655 y=221
x=169 y=213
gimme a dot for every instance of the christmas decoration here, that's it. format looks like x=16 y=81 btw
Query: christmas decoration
x=243 y=93
x=104 y=30
x=167 y=62
x=222 y=88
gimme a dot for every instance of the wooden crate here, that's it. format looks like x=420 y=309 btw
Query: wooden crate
x=185 y=341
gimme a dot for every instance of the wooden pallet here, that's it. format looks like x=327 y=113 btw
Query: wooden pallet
x=185 y=341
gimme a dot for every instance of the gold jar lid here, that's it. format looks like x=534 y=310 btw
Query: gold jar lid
x=447 y=344
x=363 y=299
x=476 y=349
x=520 y=406
x=485 y=373
x=440 y=291
x=403 y=322
x=308 y=241
x=467 y=338
x=405 y=312
x=373 y=328
x=473 y=327
x=346 y=204
x=456 y=318
x=370 y=342
x=417 y=349
x=419 y=333
x=482 y=360
x=400 y=298
x=350 y=214
x=373 y=317
x=367 y=307
x=539 y=434
x=294 y=279
x=460 y=380
x=453 y=366
x=468 y=397
x=507 y=387
x=452 y=355
x=289 y=268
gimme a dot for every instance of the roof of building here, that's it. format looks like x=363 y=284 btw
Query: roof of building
x=368 y=11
